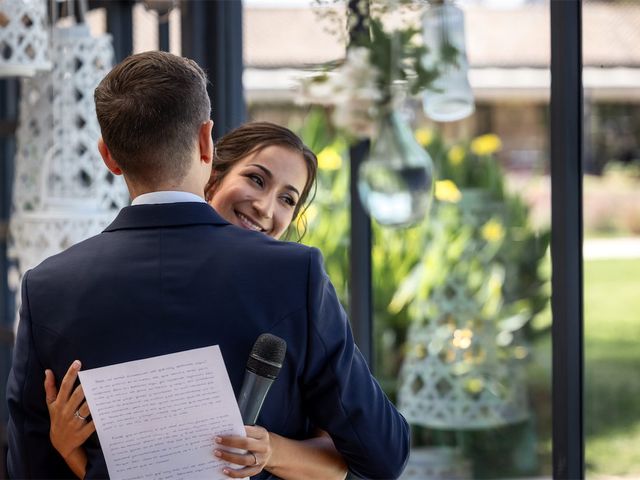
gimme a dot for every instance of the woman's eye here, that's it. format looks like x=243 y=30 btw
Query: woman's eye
x=257 y=179
x=289 y=201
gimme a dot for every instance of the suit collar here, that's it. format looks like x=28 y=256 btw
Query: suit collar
x=166 y=215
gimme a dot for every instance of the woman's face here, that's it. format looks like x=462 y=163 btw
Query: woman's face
x=261 y=191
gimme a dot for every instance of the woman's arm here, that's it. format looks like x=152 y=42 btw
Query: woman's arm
x=77 y=462
x=314 y=458
x=67 y=412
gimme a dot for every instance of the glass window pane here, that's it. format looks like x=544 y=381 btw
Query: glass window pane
x=612 y=238
x=461 y=300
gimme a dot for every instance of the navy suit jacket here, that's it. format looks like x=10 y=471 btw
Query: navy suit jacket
x=166 y=278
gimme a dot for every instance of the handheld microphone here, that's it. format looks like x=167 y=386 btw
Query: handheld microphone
x=263 y=366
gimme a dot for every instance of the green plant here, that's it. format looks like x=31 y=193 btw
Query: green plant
x=476 y=234
x=400 y=282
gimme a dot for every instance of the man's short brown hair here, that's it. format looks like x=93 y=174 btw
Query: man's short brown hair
x=150 y=108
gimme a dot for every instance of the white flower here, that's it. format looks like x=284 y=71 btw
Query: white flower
x=353 y=89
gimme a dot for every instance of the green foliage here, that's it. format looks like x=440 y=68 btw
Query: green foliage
x=459 y=240
x=328 y=219
x=397 y=54
x=398 y=58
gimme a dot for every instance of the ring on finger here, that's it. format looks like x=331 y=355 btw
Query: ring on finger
x=255 y=459
x=84 y=419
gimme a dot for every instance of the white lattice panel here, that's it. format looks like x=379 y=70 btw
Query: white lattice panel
x=36 y=236
x=57 y=161
x=62 y=192
x=24 y=39
x=455 y=376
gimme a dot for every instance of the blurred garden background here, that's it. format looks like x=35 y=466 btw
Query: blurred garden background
x=499 y=158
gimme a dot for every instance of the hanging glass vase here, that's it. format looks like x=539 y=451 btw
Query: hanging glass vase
x=395 y=183
x=450 y=98
x=24 y=38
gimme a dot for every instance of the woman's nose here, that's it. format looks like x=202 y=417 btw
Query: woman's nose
x=264 y=206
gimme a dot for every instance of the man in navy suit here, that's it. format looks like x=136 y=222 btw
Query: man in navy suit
x=169 y=274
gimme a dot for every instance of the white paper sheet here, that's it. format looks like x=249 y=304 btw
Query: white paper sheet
x=157 y=418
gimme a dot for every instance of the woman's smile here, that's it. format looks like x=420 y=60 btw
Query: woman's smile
x=248 y=223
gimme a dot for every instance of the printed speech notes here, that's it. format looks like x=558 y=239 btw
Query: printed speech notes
x=157 y=418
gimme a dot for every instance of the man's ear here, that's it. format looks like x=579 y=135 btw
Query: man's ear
x=107 y=158
x=205 y=142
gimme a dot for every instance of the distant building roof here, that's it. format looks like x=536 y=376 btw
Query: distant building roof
x=495 y=38
x=275 y=38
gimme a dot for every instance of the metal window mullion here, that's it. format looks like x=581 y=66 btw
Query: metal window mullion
x=212 y=36
x=360 y=265
x=566 y=243
x=9 y=91
x=120 y=26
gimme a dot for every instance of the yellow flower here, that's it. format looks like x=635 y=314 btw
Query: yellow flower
x=474 y=385
x=462 y=338
x=446 y=191
x=329 y=159
x=486 y=144
x=493 y=231
x=420 y=351
x=424 y=136
x=456 y=155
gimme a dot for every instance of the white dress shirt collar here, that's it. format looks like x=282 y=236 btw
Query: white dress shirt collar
x=166 y=197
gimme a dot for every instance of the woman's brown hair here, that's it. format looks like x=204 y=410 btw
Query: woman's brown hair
x=252 y=137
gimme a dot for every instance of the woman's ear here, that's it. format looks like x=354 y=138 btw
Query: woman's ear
x=205 y=141
x=108 y=160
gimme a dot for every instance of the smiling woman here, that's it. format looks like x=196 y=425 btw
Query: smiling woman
x=261 y=178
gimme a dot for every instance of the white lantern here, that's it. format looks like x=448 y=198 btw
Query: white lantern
x=62 y=192
x=24 y=39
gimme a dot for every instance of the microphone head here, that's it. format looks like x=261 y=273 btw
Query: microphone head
x=267 y=356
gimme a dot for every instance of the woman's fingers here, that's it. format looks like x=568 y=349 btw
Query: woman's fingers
x=242 y=472
x=242 y=443
x=66 y=386
x=75 y=401
x=243 y=459
x=257 y=432
x=87 y=430
x=257 y=448
x=84 y=410
x=249 y=462
x=50 y=389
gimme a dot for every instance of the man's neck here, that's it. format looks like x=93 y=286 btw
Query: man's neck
x=135 y=190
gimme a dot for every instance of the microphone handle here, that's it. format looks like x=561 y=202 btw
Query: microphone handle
x=252 y=395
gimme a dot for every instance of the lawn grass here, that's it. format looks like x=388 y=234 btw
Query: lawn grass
x=611 y=376
x=612 y=367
